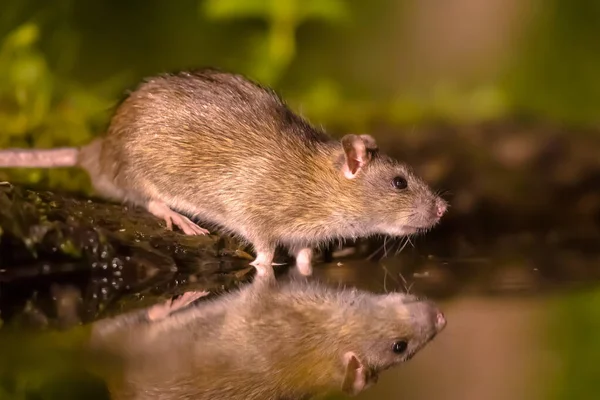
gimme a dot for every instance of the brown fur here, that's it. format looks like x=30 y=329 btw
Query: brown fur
x=219 y=147
x=268 y=341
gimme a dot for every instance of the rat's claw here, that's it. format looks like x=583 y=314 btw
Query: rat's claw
x=161 y=210
x=262 y=269
x=163 y=310
x=169 y=224
x=263 y=263
x=187 y=298
x=186 y=225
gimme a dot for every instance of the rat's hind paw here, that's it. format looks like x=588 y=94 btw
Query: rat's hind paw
x=161 y=210
x=185 y=224
x=161 y=311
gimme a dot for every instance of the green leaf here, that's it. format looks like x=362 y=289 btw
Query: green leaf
x=327 y=10
x=28 y=70
x=230 y=9
x=22 y=37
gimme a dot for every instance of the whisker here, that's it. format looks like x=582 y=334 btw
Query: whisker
x=406 y=289
x=445 y=192
x=387 y=273
x=385 y=278
x=399 y=246
x=406 y=241
x=385 y=251
x=376 y=251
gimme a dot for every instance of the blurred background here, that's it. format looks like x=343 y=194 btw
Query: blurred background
x=495 y=103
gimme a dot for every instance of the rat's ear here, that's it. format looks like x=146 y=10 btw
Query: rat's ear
x=357 y=153
x=355 y=375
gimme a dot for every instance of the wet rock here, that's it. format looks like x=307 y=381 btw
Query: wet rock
x=69 y=259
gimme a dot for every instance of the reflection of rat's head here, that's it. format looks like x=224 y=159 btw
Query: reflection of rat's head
x=395 y=329
x=397 y=201
x=272 y=340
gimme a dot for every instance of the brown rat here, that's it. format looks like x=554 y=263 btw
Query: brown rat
x=219 y=147
x=270 y=340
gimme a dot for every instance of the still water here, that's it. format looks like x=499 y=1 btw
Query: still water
x=512 y=340
x=509 y=337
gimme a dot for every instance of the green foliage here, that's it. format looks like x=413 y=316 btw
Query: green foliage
x=52 y=366
x=556 y=73
x=44 y=51
x=275 y=49
x=28 y=85
x=38 y=108
x=574 y=327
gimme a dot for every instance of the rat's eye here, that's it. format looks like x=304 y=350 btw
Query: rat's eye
x=399 y=347
x=399 y=182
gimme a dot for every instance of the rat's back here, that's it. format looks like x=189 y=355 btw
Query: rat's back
x=197 y=137
x=204 y=119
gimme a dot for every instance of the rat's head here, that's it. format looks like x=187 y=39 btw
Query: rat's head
x=397 y=327
x=398 y=201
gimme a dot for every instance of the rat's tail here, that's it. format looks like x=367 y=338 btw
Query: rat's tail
x=22 y=158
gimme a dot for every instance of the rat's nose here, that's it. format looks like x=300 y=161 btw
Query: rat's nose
x=440 y=321
x=441 y=207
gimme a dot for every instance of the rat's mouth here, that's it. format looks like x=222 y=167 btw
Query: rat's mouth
x=410 y=230
x=413 y=229
x=421 y=222
x=410 y=226
x=400 y=231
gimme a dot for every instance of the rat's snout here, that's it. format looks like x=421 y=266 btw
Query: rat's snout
x=428 y=316
x=429 y=211
x=440 y=206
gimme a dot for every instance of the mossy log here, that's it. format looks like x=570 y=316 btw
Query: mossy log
x=111 y=256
